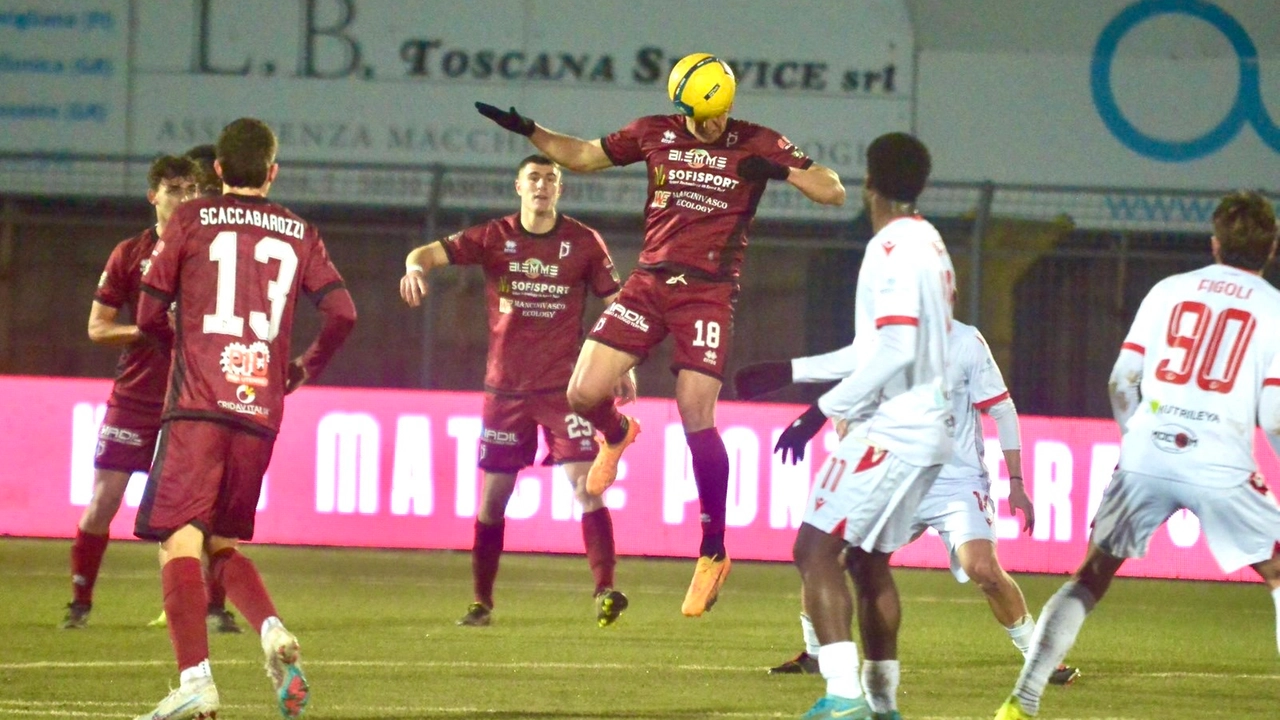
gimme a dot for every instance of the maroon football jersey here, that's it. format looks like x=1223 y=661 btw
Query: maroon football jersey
x=235 y=264
x=536 y=288
x=699 y=210
x=143 y=369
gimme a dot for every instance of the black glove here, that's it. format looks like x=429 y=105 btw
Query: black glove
x=799 y=433
x=754 y=168
x=513 y=121
x=755 y=380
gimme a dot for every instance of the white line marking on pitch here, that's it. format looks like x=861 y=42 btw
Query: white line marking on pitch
x=61 y=664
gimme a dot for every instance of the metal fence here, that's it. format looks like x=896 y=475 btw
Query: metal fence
x=1051 y=274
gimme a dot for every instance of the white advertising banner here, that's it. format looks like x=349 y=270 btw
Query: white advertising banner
x=1155 y=93
x=64 y=75
x=394 y=82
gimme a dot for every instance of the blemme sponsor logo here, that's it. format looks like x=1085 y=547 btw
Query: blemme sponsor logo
x=534 y=268
x=698 y=158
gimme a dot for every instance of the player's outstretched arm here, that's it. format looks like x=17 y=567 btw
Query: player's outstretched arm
x=338 y=318
x=419 y=261
x=819 y=183
x=104 y=330
x=571 y=152
x=894 y=352
x=758 y=379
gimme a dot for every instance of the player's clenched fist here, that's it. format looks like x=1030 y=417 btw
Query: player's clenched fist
x=413 y=287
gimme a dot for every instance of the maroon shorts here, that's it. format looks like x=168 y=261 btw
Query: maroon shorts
x=509 y=440
x=127 y=439
x=207 y=474
x=697 y=313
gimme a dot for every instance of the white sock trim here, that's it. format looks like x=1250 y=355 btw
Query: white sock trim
x=839 y=665
x=269 y=624
x=811 y=644
x=201 y=672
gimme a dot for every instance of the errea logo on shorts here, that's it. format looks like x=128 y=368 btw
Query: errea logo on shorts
x=630 y=317
x=698 y=158
x=534 y=268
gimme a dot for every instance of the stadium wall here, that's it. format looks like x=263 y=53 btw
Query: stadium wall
x=397 y=469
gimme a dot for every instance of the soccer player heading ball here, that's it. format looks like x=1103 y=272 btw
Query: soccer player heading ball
x=707 y=172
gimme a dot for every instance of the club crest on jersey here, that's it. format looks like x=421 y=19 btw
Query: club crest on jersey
x=668 y=137
x=510 y=247
x=246 y=365
x=533 y=268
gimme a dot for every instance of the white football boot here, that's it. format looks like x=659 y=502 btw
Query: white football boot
x=281 y=649
x=196 y=700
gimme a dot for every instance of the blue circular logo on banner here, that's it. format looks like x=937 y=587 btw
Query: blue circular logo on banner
x=1247 y=108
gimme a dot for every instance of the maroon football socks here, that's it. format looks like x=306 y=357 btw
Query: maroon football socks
x=217 y=593
x=184 y=605
x=485 y=553
x=86 y=559
x=243 y=584
x=606 y=418
x=711 y=475
x=597 y=537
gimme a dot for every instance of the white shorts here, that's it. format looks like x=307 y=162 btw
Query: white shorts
x=868 y=496
x=1241 y=524
x=960 y=510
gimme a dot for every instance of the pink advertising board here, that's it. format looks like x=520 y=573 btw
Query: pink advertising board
x=397 y=469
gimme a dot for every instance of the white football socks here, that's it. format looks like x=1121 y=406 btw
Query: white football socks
x=1060 y=623
x=811 y=643
x=1275 y=595
x=880 y=680
x=839 y=665
x=1020 y=633
x=197 y=673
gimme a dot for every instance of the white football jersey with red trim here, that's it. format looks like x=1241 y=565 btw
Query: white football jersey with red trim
x=976 y=384
x=907 y=278
x=1209 y=340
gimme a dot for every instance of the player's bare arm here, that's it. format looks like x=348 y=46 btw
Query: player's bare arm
x=104 y=330
x=819 y=183
x=571 y=152
x=413 y=286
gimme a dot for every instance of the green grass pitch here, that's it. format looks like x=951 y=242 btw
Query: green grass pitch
x=379 y=643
